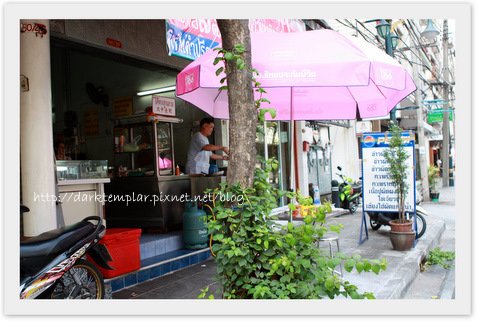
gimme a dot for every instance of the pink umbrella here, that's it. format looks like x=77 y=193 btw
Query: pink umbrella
x=313 y=75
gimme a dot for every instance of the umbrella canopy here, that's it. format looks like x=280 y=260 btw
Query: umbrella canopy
x=313 y=75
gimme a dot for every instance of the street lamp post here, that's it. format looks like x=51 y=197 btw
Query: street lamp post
x=391 y=42
x=431 y=33
x=446 y=113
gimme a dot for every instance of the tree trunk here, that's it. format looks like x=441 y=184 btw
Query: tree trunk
x=241 y=106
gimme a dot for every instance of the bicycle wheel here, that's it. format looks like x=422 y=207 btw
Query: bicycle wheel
x=82 y=281
x=422 y=225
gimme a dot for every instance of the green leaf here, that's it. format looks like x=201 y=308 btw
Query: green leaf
x=273 y=114
x=239 y=48
x=228 y=56
x=359 y=267
x=217 y=60
x=219 y=71
x=367 y=266
x=240 y=62
x=330 y=284
x=349 y=264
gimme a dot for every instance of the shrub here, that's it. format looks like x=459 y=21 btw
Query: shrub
x=258 y=259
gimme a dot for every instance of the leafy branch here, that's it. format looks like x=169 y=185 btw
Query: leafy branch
x=259 y=259
x=235 y=54
x=396 y=156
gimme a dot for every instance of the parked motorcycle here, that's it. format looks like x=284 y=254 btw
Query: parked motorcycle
x=379 y=219
x=350 y=192
x=53 y=264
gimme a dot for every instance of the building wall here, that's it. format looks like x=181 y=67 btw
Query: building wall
x=72 y=69
x=144 y=39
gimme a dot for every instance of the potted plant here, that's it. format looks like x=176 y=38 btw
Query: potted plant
x=434 y=182
x=401 y=234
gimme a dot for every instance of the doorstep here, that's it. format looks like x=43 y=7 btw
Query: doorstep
x=157 y=266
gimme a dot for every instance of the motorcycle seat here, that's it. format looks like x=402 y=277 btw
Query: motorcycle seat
x=54 y=242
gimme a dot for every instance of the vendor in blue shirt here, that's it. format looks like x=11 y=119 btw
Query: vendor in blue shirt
x=200 y=150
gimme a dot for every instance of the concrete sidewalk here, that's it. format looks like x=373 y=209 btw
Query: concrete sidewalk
x=403 y=267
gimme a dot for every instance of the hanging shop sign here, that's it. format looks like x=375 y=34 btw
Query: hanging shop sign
x=122 y=106
x=191 y=38
x=363 y=127
x=90 y=122
x=378 y=189
x=163 y=105
x=436 y=116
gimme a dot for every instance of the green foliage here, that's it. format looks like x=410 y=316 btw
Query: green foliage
x=259 y=259
x=433 y=174
x=439 y=257
x=396 y=157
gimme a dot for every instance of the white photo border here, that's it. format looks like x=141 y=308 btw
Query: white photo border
x=460 y=12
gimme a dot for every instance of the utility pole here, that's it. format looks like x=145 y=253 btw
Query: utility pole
x=446 y=112
x=422 y=149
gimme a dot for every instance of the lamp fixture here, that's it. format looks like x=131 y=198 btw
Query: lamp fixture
x=383 y=28
x=157 y=90
x=394 y=39
x=430 y=31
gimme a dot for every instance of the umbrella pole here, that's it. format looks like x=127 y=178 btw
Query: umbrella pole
x=292 y=160
x=293 y=149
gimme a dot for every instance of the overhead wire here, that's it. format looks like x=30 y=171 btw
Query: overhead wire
x=415 y=49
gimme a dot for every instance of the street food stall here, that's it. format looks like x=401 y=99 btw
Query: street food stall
x=144 y=175
x=147 y=189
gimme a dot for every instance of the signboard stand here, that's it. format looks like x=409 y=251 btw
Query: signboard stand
x=379 y=193
x=363 y=225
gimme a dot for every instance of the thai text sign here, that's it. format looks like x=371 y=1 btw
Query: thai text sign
x=122 y=106
x=379 y=193
x=436 y=116
x=163 y=105
x=191 y=38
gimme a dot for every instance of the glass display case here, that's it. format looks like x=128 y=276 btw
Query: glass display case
x=144 y=159
x=143 y=148
x=84 y=169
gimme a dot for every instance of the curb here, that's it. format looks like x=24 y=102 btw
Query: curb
x=395 y=288
x=448 y=285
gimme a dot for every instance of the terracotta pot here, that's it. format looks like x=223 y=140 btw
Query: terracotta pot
x=398 y=225
x=402 y=240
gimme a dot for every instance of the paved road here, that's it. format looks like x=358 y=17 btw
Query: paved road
x=436 y=281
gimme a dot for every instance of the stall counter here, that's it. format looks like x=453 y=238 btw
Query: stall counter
x=81 y=198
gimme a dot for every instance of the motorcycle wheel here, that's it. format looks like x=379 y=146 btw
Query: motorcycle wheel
x=352 y=207
x=422 y=225
x=374 y=224
x=91 y=283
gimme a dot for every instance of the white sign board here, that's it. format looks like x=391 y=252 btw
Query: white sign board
x=379 y=193
x=163 y=105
